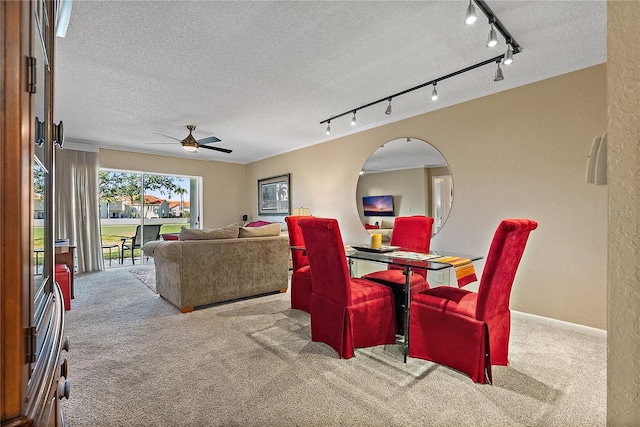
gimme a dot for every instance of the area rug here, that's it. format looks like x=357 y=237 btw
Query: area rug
x=146 y=276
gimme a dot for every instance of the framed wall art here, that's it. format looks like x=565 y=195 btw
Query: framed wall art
x=273 y=195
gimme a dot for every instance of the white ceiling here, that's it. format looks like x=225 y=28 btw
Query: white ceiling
x=262 y=75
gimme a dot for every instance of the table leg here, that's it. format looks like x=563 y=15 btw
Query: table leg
x=407 y=301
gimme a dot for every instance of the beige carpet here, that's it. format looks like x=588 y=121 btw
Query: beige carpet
x=135 y=360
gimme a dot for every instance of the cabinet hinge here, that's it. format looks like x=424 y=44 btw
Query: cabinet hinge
x=32 y=79
x=30 y=344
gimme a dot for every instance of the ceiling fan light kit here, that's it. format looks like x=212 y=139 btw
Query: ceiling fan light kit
x=506 y=58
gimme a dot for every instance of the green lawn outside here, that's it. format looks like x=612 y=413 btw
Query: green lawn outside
x=111 y=234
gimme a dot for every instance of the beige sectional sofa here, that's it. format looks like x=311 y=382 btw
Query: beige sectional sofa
x=211 y=268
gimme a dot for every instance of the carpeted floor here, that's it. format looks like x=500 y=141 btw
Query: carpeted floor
x=135 y=360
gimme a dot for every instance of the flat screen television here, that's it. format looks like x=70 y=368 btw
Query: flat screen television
x=378 y=206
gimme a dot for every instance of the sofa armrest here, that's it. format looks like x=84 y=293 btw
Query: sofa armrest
x=169 y=250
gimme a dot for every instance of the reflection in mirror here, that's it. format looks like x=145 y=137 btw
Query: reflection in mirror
x=417 y=177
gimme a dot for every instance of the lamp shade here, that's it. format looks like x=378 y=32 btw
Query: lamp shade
x=301 y=212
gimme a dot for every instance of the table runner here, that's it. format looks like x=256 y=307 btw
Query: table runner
x=465 y=271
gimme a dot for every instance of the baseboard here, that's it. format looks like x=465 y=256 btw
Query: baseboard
x=587 y=330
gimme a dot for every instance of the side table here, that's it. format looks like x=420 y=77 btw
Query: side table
x=65 y=254
x=110 y=246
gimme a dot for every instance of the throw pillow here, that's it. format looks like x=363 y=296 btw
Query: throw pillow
x=264 y=231
x=259 y=223
x=228 y=232
x=168 y=236
x=386 y=224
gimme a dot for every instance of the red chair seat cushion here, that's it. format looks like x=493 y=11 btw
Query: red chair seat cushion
x=449 y=298
x=397 y=278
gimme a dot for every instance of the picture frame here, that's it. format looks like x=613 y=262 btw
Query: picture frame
x=274 y=195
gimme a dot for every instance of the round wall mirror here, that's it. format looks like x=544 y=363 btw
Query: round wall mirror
x=403 y=177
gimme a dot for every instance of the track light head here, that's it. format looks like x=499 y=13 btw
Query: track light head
x=388 y=110
x=434 y=93
x=353 y=119
x=492 y=40
x=508 y=57
x=328 y=131
x=471 y=16
x=499 y=76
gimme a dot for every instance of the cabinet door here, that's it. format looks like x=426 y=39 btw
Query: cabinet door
x=42 y=192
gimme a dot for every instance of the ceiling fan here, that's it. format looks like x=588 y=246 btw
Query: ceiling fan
x=191 y=145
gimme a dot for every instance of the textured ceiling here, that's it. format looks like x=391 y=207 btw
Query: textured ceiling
x=262 y=75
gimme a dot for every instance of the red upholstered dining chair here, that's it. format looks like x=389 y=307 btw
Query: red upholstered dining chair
x=301 y=276
x=465 y=330
x=413 y=234
x=346 y=312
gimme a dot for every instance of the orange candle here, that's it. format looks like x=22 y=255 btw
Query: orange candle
x=376 y=241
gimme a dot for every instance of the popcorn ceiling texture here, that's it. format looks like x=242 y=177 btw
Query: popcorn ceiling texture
x=623 y=81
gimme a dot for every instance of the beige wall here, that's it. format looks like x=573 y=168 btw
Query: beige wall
x=222 y=183
x=623 y=84
x=519 y=153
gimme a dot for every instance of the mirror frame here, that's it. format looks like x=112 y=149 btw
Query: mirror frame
x=402 y=161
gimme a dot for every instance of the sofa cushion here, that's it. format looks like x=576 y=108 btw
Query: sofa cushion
x=228 y=232
x=386 y=224
x=263 y=231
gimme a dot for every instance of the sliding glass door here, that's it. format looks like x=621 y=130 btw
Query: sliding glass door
x=144 y=205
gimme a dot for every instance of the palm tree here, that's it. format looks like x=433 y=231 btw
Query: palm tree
x=181 y=192
x=282 y=195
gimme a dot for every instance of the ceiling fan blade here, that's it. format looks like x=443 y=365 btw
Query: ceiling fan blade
x=224 y=150
x=162 y=134
x=208 y=140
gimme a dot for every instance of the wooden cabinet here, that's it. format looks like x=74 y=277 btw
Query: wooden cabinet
x=33 y=374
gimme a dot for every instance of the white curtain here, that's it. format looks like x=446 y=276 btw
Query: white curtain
x=77 y=202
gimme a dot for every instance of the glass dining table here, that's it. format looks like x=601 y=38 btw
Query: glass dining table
x=433 y=261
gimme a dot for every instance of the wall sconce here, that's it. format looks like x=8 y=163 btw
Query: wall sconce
x=597 y=161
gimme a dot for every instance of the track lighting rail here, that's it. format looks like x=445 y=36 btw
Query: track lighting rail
x=493 y=20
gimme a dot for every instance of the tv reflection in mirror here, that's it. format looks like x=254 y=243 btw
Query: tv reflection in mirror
x=378 y=205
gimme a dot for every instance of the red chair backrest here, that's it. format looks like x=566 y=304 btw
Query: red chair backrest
x=500 y=268
x=327 y=259
x=412 y=233
x=298 y=258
